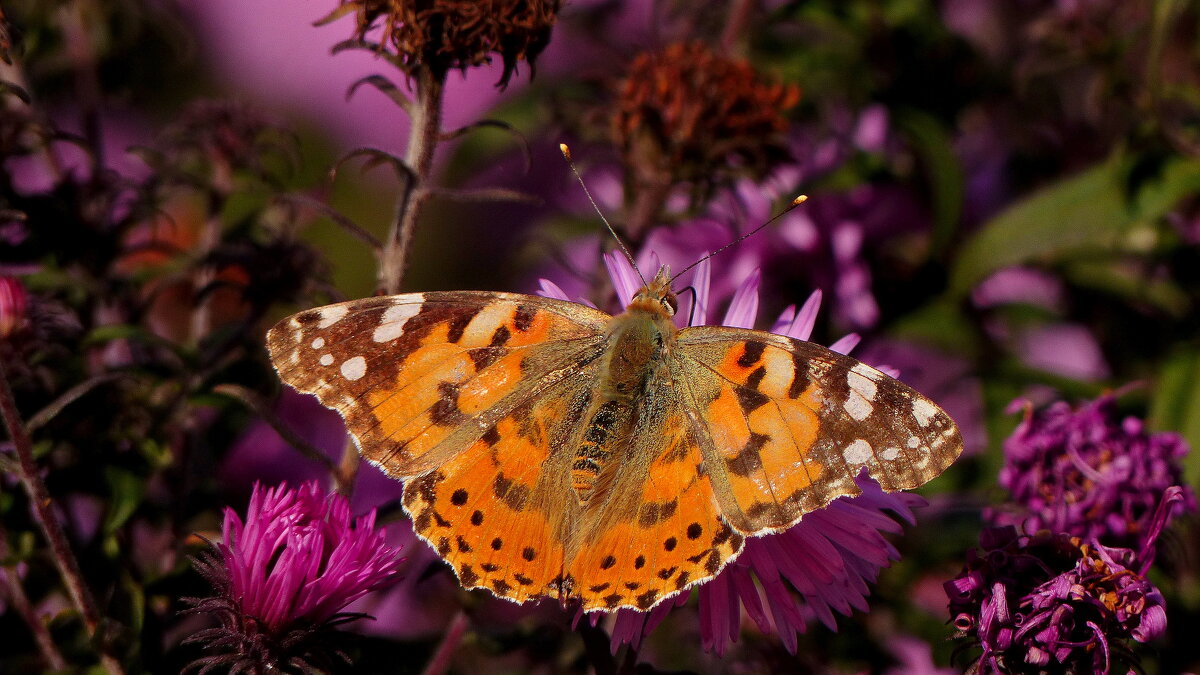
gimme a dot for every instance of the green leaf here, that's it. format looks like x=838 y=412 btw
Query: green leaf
x=126 y=490
x=1175 y=405
x=1087 y=213
x=943 y=172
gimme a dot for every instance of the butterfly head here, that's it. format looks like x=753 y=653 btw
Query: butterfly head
x=657 y=295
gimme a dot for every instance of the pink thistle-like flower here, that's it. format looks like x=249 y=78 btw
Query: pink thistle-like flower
x=1088 y=473
x=821 y=566
x=282 y=577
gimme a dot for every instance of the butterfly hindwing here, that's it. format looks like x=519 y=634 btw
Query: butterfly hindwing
x=788 y=425
x=419 y=377
x=659 y=529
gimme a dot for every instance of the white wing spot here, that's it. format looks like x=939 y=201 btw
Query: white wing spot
x=862 y=392
x=391 y=324
x=354 y=368
x=331 y=315
x=857 y=406
x=889 y=454
x=318 y=343
x=862 y=379
x=913 y=441
x=923 y=411
x=326 y=359
x=858 y=452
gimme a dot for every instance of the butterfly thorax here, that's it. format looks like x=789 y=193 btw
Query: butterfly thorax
x=638 y=344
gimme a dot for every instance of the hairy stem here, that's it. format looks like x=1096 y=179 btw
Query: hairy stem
x=422 y=140
x=46 y=520
x=440 y=662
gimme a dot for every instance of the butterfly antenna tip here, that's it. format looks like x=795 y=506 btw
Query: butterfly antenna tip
x=566 y=153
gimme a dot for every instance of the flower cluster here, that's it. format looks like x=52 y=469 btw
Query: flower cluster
x=686 y=113
x=1053 y=603
x=446 y=34
x=284 y=574
x=1088 y=473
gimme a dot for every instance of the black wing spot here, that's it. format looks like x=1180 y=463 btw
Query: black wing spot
x=750 y=399
x=694 y=531
x=463 y=546
x=670 y=543
x=608 y=562
x=666 y=572
x=639 y=562
x=748 y=460
x=477 y=518
x=523 y=317
x=645 y=600
x=459 y=497
x=528 y=553
x=752 y=354
x=467 y=575
x=502 y=587
x=497 y=544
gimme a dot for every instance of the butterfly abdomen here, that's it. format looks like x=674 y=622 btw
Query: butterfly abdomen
x=637 y=349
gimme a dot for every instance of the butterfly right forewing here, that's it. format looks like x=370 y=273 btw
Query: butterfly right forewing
x=788 y=425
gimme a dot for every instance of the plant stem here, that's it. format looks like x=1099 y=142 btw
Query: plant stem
x=11 y=582
x=43 y=514
x=440 y=662
x=422 y=139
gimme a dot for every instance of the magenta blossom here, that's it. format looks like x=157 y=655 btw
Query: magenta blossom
x=1089 y=473
x=1052 y=603
x=821 y=566
x=283 y=576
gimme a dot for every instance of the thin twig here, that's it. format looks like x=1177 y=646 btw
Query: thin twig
x=43 y=515
x=256 y=403
x=68 y=397
x=440 y=662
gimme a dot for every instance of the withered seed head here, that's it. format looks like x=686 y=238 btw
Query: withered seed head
x=445 y=34
x=700 y=116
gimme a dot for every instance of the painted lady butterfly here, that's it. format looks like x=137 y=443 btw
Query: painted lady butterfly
x=550 y=449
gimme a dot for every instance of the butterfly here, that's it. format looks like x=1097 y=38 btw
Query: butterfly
x=549 y=449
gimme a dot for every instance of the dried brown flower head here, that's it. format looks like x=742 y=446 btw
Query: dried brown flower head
x=694 y=115
x=445 y=34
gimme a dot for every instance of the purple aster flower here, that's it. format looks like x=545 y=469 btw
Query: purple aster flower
x=282 y=577
x=821 y=566
x=1053 y=603
x=1088 y=473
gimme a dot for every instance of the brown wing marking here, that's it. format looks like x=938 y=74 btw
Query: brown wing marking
x=791 y=424
x=409 y=372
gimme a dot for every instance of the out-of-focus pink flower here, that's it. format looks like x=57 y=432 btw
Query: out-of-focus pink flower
x=283 y=575
x=13 y=306
x=817 y=568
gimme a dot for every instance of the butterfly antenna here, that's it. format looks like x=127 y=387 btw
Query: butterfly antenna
x=566 y=153
x=795 y=202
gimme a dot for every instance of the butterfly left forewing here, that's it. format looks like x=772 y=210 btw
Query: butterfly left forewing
x=787 y=425
x=417 y=377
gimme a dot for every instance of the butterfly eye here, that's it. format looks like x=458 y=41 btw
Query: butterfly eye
x=671 y=303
